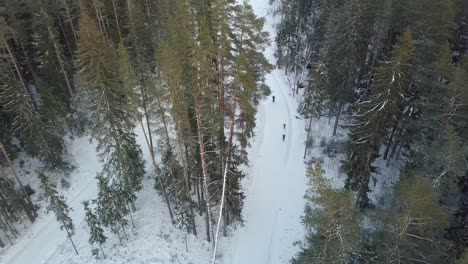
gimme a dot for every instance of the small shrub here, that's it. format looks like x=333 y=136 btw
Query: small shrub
x=334 y=148
x=64 y=183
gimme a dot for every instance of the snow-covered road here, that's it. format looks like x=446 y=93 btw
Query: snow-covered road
x=276 y=181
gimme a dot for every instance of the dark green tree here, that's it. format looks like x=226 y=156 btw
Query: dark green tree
x=58 y=205
x=95 y=229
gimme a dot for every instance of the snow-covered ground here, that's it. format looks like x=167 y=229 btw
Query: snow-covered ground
x=274 y=188
x=277 y=180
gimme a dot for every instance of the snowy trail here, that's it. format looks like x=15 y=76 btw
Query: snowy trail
x=276 y=181
x=45 y=235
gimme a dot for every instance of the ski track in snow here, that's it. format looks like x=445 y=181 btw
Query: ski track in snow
x=277 y=180
x=45 y=235
x=274 y=203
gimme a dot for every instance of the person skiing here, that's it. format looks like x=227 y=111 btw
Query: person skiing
x=284 y=136
x=273 y=98
x=284 y=126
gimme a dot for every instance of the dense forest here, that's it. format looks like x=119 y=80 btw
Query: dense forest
x=393 y=74
x=188 y=73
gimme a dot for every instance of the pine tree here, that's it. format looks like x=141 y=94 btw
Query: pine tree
x=313 y=101
x=96 y=232
x=36 y=133
x=443 y=160
x=112 y=207
x=387 y=101
x=58 y=205
x=28 y=205
x=413 y=230
x=110 y=80
x=332 y=223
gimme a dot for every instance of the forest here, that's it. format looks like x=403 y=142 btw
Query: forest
x=189 y=73
x=394 y=75
x=191 y=78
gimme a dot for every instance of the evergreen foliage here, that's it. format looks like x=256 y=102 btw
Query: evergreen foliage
x=332 y=223
x=399 y=67
x=58 y=205
x=96 y=232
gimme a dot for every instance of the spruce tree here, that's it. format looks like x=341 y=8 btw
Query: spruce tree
x=110 y=81
x=413 y=230
x=96 y=232
x=386 y=103
x=58 y=205
x=112 y=207
x=36 y=132
x=332 y=223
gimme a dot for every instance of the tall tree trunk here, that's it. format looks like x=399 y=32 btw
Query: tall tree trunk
x=186 y=178
x=226 y=168
x=71 y=240
x=5 y=154
x=145 y=109
x=33 y=73
x=390 y=139
x=308 y=136
x=158 y=174
x=206 y=177
x=98 y=17
x=397 y=141
x=163 y=119
x=18 y=70
x=62 y=68
x=337 y=120
x=148 y=9
x=70 y=20
x=117 y=21
x=65 y=37
x=5 y=176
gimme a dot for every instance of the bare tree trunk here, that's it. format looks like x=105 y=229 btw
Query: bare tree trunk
x=186 y=181
x=98 y=17
x=62 y=68
x=145 y=109
x=158 y=174
x=226 y=168
x=18 y=70
x=65 y=37
x=148 y=8
x=33 y=73
x=5 y=228
x=71 y=240
x=390 y=139
x=117 y=21
x=308 y=136
x=337 y=120
x=397 y=141
x=102 y=250
x=163 y=119
x=5 y=176
x=206 y=177
x=70 y=20
x=5 y=154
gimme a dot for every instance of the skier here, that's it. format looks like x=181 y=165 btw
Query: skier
x=273 y=98
x=284 y=136
x=284 y=126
